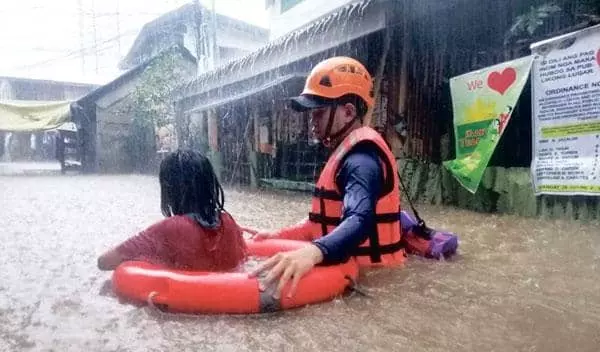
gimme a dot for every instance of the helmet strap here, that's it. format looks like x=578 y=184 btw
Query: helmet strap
x=343 y=130
x=327 y=139
x=330 y=138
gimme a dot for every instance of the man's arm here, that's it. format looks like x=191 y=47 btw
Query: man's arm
x=299 y=232
x=360 y=177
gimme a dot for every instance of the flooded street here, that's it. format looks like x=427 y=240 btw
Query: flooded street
x=517 y=285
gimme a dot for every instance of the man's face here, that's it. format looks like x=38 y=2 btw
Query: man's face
x=319 y=119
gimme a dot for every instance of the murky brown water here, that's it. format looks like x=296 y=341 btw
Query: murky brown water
x=518 y=285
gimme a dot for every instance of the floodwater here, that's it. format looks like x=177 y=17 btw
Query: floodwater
x=517 y=285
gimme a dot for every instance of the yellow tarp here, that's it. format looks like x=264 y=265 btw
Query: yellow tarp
x=30 y=116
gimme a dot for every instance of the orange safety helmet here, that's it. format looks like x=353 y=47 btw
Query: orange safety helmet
x=332 y=79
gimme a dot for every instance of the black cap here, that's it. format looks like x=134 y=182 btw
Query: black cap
x=308 y=102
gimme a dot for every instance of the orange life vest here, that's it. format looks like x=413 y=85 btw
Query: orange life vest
x=383 y=246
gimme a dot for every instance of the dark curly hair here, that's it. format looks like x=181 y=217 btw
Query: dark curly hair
x=188 y=185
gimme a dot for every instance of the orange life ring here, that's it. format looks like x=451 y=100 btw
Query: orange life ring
x=235 y=293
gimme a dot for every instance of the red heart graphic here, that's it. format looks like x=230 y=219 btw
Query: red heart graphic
x=598 y=57
x=500 y=82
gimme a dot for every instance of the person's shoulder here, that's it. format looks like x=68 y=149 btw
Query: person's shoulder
x=178 y=222
x=228 y=221
x=366 y=147
x=362 y=162
x=176 y=219
x=364 y=154
x=168 y=226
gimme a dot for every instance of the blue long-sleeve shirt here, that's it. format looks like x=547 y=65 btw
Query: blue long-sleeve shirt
x=359 y=179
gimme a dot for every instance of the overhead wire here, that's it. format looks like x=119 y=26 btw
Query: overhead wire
x=99 y=47
x=77 y=52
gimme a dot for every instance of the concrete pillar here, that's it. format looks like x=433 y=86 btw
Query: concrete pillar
x=256 y=127
x=203 y=132
x=195 y=121
x=213 y=142
x=213 y=131
x=195 y=131
x=182 y=127
x=253 y=159
x=253 y=150
x=202 y=129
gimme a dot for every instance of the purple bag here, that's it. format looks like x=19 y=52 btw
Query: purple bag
x=426 y=242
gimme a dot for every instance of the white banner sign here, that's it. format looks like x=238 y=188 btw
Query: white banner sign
x=566 y=114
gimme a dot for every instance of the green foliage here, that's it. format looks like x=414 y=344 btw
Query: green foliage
x=530 y=21
x=151 y=107
x=528 y=24
x=152 y=102
x=591 y=11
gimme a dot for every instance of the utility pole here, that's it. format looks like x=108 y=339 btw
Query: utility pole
x=215 y=46
x=118 y=18
x=95 y=34
x=81 y=37
x=200 y=52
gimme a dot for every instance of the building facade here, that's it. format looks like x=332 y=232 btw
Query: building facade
x=214 y=39
x=412 y=49
x=106 y=116
x=28 y=146
x=289 y=15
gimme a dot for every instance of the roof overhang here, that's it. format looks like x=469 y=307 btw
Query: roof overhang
x=353 y=21
x=277 y=89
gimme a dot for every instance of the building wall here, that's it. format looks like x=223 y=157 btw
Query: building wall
x=234 y=34
x=262 y=129
x=234 y=40
x=113 y=129
x=419 y=91
x=6 y=92
x=228 y=54
x=237 y=38
x=29 y=89
x=111 y=139
x=159 y=42
x=48 y=91
x=296 y=16
x=113 y=124
x=264 y=142
x=425 y=53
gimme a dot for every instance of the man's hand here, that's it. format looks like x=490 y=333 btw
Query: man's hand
x=263 y=235
x=260 y=235
x=288 y=265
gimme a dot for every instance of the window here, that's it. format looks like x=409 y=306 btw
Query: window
x=288 y=4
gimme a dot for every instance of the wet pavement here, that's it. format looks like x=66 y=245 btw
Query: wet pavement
x=518 y=284
x=29 y=168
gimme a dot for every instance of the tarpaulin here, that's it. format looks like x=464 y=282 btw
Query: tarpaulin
x=31 y=116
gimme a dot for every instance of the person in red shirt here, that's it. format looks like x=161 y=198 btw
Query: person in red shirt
x=197 y=233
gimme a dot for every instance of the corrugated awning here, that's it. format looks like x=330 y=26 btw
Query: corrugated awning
x=293 y=82
x=348 y=23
